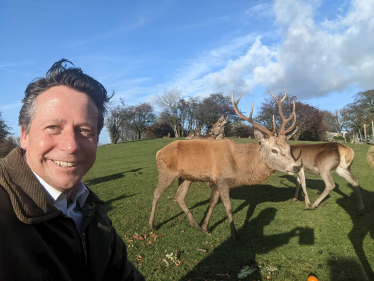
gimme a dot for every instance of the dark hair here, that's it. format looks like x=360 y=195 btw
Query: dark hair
x=60 y=75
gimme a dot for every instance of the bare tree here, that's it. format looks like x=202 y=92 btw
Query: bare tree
x=114 y=123
x=329 y=120
x=168 y=101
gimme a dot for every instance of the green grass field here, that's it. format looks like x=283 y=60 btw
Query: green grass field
x=278 y=237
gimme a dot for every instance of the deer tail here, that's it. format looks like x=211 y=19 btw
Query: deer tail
x=346 y=156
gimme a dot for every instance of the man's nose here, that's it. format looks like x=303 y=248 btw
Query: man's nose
x=69 y=141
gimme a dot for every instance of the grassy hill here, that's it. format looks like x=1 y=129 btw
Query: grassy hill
x=278 y=237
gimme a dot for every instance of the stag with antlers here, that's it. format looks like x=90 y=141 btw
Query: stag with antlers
x=217 y=132
x=224 y=163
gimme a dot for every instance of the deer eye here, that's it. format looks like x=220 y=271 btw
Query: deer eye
x=274 y=151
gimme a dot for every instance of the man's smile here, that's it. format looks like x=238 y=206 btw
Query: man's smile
x=65 y=164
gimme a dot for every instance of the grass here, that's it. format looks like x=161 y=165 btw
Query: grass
x=278 y=237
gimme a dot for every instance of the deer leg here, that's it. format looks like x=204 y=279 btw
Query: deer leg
x=213 y=202
x=184 y=185
x=164 y=182
x=345 y=173
x=296 y=190
x=224 y=193
x=329 y=185
x=301 y=180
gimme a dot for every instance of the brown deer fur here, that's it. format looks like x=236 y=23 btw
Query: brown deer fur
x=323 y=158
x=224 y=163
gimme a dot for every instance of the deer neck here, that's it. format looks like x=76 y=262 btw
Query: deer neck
x=254 y=167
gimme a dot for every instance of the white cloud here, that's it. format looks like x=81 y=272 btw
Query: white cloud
x=310 y=59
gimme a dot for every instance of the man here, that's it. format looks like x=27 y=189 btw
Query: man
x=51 y=226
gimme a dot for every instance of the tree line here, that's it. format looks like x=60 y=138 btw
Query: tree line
x=181 y=117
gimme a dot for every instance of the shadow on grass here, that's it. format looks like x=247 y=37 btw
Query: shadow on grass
x=110 y=177
x=252 y=195
x=318 y=186
x=253 y=242
x=108 y=204
x=362 y=225
x=346 y=269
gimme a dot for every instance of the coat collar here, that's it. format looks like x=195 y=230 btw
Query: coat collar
x=29 y=200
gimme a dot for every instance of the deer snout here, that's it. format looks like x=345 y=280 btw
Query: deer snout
x=296 y=169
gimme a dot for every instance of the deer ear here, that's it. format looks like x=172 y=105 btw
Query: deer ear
x=259 y=135
x=226 y=119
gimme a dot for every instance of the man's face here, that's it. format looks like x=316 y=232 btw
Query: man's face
x=62 y=141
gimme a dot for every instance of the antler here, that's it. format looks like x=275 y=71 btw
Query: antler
x=284 y=120
x=249 y=119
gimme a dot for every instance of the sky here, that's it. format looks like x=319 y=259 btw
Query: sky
x=320 y=51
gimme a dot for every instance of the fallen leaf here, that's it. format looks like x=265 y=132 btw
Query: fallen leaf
x=202 y=250
x=139 y=258
x=224 y=275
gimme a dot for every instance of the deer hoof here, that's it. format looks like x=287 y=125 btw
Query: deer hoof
x=205 y=230
x=293 y=199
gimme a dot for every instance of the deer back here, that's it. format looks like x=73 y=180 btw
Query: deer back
x=312 y=155
x=216 y=161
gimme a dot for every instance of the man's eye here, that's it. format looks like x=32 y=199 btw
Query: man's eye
x=86 y=132
x=52 y=127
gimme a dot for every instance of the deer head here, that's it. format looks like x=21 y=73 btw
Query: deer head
x=273 y=147
x=219 y=127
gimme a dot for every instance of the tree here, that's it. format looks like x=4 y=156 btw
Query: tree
x=169 y=103
x=115 y=122
x=4 y=129
x=212 y=107
x=8 y=144
x=309 y=119
x=159 y=130
x=239 y=130
x=329 y=120
x=359 y=112
x=140 y=118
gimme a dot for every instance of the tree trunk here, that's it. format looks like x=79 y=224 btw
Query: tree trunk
x=175 y=131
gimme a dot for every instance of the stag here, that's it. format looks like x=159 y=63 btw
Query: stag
x=323 y=159
x=224 y=163
x=217 y=132
x=166 y=137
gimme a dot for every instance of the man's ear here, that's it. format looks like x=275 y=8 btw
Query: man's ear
x=259 y=135
x=24 y=137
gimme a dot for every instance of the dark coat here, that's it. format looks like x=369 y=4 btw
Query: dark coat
x=38 y=242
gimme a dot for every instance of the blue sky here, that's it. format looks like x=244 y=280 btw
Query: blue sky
x=320 y=51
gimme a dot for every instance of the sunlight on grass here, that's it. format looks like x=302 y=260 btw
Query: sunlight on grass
x=278 y=237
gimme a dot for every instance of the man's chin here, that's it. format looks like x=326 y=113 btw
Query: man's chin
x=65 y=186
